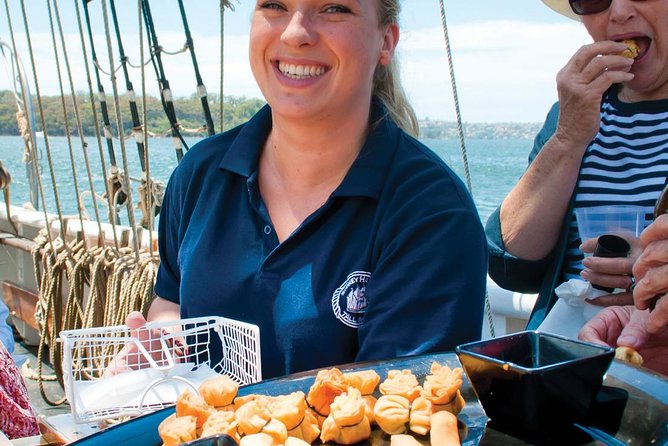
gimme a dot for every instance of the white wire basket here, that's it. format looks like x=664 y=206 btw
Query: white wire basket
x=113 y=372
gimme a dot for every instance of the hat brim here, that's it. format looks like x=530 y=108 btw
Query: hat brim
x=563 y=8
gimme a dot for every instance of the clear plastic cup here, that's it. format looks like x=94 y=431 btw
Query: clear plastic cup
x=613 y=219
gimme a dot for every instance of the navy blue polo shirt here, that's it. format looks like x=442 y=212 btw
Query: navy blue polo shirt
x=393 y=264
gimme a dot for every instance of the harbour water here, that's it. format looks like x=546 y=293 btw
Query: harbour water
x=494 y=165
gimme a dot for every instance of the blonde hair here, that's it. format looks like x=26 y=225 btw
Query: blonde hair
x=387 y=81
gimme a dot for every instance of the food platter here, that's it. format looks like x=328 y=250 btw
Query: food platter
x=631 y=409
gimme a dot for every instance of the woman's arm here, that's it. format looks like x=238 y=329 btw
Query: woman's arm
x=532 y=213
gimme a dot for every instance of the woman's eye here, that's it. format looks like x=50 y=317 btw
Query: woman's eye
x=337 y=9
x=271 y=5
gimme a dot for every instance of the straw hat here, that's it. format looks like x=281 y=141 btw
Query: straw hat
x=563 y=8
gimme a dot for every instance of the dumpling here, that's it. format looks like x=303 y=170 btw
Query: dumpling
x=392 y=413
x=346 y=423
x=288 y=409
x=293 y=441
x=404 y=440
x=401 y=382
x=365 y=380
x=221 y=422
x=241 y=400
x=276 y=430
x=420 y=415
x=441 y=387
x=328 y=385
x=175 y=430
x=309 y=429
x=219 y=392
x=252 y=417
x=189 y=403
x=258 y=439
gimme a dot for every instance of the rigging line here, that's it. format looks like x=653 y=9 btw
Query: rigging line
x=136 y=123
x=119 y=126
x=46 y=138
x=91 y=97
x=65 y=117
x=77 y=114
x=100 y=92
x=201 y=89
x=25 y=116
x=165 y=91
x=460 y=132
x=222 y=65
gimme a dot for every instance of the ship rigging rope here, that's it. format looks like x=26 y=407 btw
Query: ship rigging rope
x=460 y=132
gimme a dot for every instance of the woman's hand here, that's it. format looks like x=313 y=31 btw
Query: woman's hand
x=581 y=84
x=154 y=343
x=627 y=326
x=651 y=274
x=613 y=272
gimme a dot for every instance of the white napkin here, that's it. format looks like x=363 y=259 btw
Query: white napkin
x=571 y=311
x=125 y=390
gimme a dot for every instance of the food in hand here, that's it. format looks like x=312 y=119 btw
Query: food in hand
x=632 y=49
x=629 y=355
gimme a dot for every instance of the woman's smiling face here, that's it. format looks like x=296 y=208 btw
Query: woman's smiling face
x=316 y=58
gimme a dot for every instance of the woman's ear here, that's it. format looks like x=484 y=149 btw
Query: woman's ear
x=390 y=40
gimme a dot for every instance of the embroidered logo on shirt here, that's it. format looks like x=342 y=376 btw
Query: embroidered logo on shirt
x=349 y=302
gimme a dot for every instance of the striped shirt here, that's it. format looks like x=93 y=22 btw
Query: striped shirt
x=626 y=163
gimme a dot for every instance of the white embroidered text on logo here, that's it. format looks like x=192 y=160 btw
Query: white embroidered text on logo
x=348 y=301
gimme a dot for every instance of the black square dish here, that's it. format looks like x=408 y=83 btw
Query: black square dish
x=532 y=381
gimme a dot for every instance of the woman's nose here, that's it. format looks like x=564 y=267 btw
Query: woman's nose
x=622 y=10
x=299 y=30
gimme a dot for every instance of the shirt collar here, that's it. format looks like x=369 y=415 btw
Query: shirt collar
x=366 y=176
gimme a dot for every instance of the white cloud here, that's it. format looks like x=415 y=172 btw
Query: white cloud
x=505 y=70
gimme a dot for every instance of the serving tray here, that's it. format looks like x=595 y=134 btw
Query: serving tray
x=631 y=409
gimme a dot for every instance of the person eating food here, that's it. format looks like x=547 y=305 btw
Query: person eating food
x=604 y=142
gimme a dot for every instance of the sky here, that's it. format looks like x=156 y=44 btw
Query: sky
x=506 y=54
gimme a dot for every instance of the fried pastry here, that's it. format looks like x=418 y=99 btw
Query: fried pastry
x=442 y=388
x=347 y=422
x=219 y=392
x=188 y=403
x=392 y=413
x=221 y=422
x=309 y=428
x=632 y=49
x=401 y=382
x=420 y=415
x=403 y=440
x=328 y=384
x=175 y=430
x=252 y=416
x=259 y=439
x=288 y=409
x=292 y=441
x=629 y=355
x=444 y=429
x=365 y=380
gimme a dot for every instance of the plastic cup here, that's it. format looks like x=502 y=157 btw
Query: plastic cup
x=613 y=219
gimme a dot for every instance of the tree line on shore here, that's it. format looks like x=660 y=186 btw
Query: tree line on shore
x=190 y=116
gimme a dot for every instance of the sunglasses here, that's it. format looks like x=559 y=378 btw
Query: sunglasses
x=587 y=7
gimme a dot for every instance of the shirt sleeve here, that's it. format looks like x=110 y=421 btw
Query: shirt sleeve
x=426 y=292
x=508 y=271
x=168 y=279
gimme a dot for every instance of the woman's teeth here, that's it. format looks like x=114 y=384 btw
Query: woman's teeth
x=300 y=71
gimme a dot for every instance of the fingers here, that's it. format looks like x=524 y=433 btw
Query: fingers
x=653 y=284
x=618 y=299
x=606 y=326
x=135 y=320
x=657 y=231
x=658 y=319
x=634 y=334
x=608 y=272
